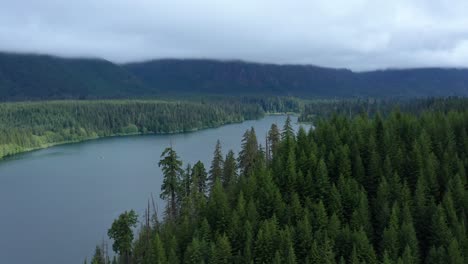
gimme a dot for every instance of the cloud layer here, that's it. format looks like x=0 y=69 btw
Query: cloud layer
x=356 y=34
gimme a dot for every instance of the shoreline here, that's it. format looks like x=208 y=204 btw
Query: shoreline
x=49 y=145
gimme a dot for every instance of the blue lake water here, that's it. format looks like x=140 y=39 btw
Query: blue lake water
x=56 y=204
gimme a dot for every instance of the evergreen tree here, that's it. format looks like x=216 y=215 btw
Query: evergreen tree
x=288 y=131
x=216 y=169
x=122 y=234
x=322 y=183
x=199 y=177
x=273 y=140
x=170 y=188
x=230 y=170
x=249 y=152
x=333 y=195
x=159 y=251
x=222 y=251
x=218 y=212
x=98 y=257
x=194 y=254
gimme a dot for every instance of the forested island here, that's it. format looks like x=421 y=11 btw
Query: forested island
x=355 y=189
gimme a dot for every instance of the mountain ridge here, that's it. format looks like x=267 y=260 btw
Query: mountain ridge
x=38 y=77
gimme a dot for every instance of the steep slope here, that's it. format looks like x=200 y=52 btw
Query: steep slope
x=416 y=82
x=234 y=77
x=46 y=77
x=24 y=77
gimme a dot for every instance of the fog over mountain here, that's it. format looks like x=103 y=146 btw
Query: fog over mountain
x=33 y=77
x=354 y=34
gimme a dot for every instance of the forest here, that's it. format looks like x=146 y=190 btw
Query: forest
x=354 y=189
x=313 y=110
x=44 y=77
x=30 y=125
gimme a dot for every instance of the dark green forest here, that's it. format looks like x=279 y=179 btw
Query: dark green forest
x=383 y=189
x=30 y=125
x=43 y=77
x=313 y=110
x=192 y=76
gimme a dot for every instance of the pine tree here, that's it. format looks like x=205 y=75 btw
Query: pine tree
x=159 y=251
x=194 y=254
x=222 y=251
x=440 y=232
x=186 y=182
x=122 y=234
x=171 y=251
x=98 y=257
x=249 y=152
x=266 y=242
x=218 y=212
x=170 y=188
x=273 y=140
x=322 y=182
x=390 y=239
x=230 y=170
x=334 y=203
x=303 y=239
x=288 y=131
x=374 y=171
x=216 y=169
x=320 y=217
x=199 y=177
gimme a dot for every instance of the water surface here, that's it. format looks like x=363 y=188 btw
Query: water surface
x=56 y=204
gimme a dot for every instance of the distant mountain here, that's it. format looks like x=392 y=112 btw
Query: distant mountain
x=25 y=76
x=415 y=82
x=234 y=77
x=46 y=77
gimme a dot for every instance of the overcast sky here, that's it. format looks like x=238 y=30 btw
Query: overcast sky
x=355 y=34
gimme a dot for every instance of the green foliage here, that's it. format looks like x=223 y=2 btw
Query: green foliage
x=216 y=169
x=98 y=257
x=171 y=187
x=122 y=234
x=332 y=195
x=31 y=125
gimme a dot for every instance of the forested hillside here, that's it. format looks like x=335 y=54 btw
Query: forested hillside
x=237 y=77
x=36 y=77
x=360 y=190
x=27 y=77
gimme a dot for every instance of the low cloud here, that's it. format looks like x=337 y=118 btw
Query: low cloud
x=356 y=34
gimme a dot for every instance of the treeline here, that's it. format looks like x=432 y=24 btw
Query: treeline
x=31 y=125
x=359 y=190
x=312 y=110
x=269 y=104
x=42 y=77
x=26 y=126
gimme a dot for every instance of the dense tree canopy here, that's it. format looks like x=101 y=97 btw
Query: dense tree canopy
x=30 y=125
x=26 y=126
x=353 y=190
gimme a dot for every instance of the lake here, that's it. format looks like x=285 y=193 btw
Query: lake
x=57 y=203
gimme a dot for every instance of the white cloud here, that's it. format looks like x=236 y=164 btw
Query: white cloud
x=357 y=34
